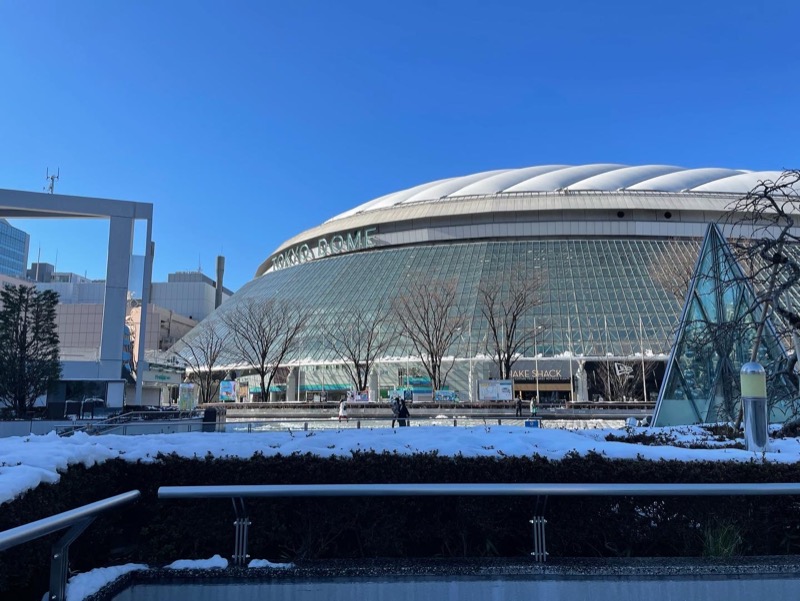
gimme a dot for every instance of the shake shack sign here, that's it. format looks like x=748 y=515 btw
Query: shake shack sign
x=548 y=371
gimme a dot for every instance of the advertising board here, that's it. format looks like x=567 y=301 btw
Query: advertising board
x=495 y=390
x=187 y=396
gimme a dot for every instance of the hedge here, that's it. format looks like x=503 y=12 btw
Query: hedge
x=157 y=532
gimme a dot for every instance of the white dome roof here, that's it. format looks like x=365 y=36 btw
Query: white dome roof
x=604 y=177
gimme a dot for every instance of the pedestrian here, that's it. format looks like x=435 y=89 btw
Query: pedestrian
x=403 y=413
x=343 y=410
x=518 y=412
x=395 y=405
x=533 y=407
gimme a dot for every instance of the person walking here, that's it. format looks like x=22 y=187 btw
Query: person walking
x=403 y=413
x=395 y=405
x=533 y=407
x=343 y=410
x=518 y=412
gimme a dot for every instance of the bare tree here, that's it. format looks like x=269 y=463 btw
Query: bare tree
x=427 y=315
x=767 y=236
x=201 y=354
x=504 y=305
x=770 y=209
x=359 y=338
x=264 y=333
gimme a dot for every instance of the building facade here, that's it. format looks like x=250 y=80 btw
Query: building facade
x=80 y=328
x=14 y=245
x=604 y=240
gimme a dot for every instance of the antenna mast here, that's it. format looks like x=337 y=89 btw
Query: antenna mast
x=52 y=179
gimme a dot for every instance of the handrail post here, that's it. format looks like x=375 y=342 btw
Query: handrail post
x=240 y=525
x=59 y=559
x=538 y=523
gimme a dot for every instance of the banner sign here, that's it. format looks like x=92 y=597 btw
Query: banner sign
x=495 y=390
x=187 y=396
x=227 y=391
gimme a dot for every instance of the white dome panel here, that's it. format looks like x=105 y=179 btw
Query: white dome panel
x=603 y=177
x=444 y=188
x=683 y=180
x=500 y=182
x=739 y=184
x=562 y=178
x=390 y=200
x=619 y=179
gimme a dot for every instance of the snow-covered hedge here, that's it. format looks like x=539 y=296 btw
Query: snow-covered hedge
x=159 y=532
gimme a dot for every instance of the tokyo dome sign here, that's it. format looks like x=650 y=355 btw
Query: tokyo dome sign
x=325 y=247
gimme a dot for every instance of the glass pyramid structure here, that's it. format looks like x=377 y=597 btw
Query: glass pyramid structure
x=714 y=339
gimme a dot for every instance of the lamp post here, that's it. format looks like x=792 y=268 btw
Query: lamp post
x=536 y=357
x=469 y=357
x=571 y=380
x=754 y=400
x=641 y=349
x=471 y=380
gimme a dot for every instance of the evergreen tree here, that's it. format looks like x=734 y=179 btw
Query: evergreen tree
x=29 y=359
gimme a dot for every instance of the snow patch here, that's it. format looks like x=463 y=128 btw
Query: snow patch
x=82 y=585
x=201 y=564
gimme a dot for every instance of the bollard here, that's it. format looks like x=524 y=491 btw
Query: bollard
x=754 y=405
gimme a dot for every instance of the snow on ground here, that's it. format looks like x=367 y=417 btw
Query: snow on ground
x=265 y=563
x=88 y=583
x=82 y=585
x=27 y=461
x=200 y=564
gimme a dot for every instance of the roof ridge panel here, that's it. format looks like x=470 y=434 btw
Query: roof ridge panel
x=496 y=184
x=740 y=183
x=562 y=178
x=620 y=179
x=684 y=180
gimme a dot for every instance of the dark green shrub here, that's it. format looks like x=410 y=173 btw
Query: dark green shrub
x=154 y=531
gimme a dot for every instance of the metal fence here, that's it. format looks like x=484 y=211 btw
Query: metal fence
x=237 y=494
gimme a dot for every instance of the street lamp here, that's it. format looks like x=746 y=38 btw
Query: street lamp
x=753 y=380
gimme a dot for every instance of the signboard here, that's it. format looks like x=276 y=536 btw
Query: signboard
x=544 y=370
x=161 y=377
x=325 y=247
x=495 y=390
x=227 y=391
x=187 y=396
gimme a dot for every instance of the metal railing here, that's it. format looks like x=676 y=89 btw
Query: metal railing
x=77 y=520
x=301 y=424
x=237 y=494
x=114 y=423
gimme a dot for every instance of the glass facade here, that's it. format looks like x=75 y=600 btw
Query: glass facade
x=14 y=245
x=716 y=337
x=599 y=297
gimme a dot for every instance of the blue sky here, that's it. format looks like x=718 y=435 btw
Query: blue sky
x=245 y=123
